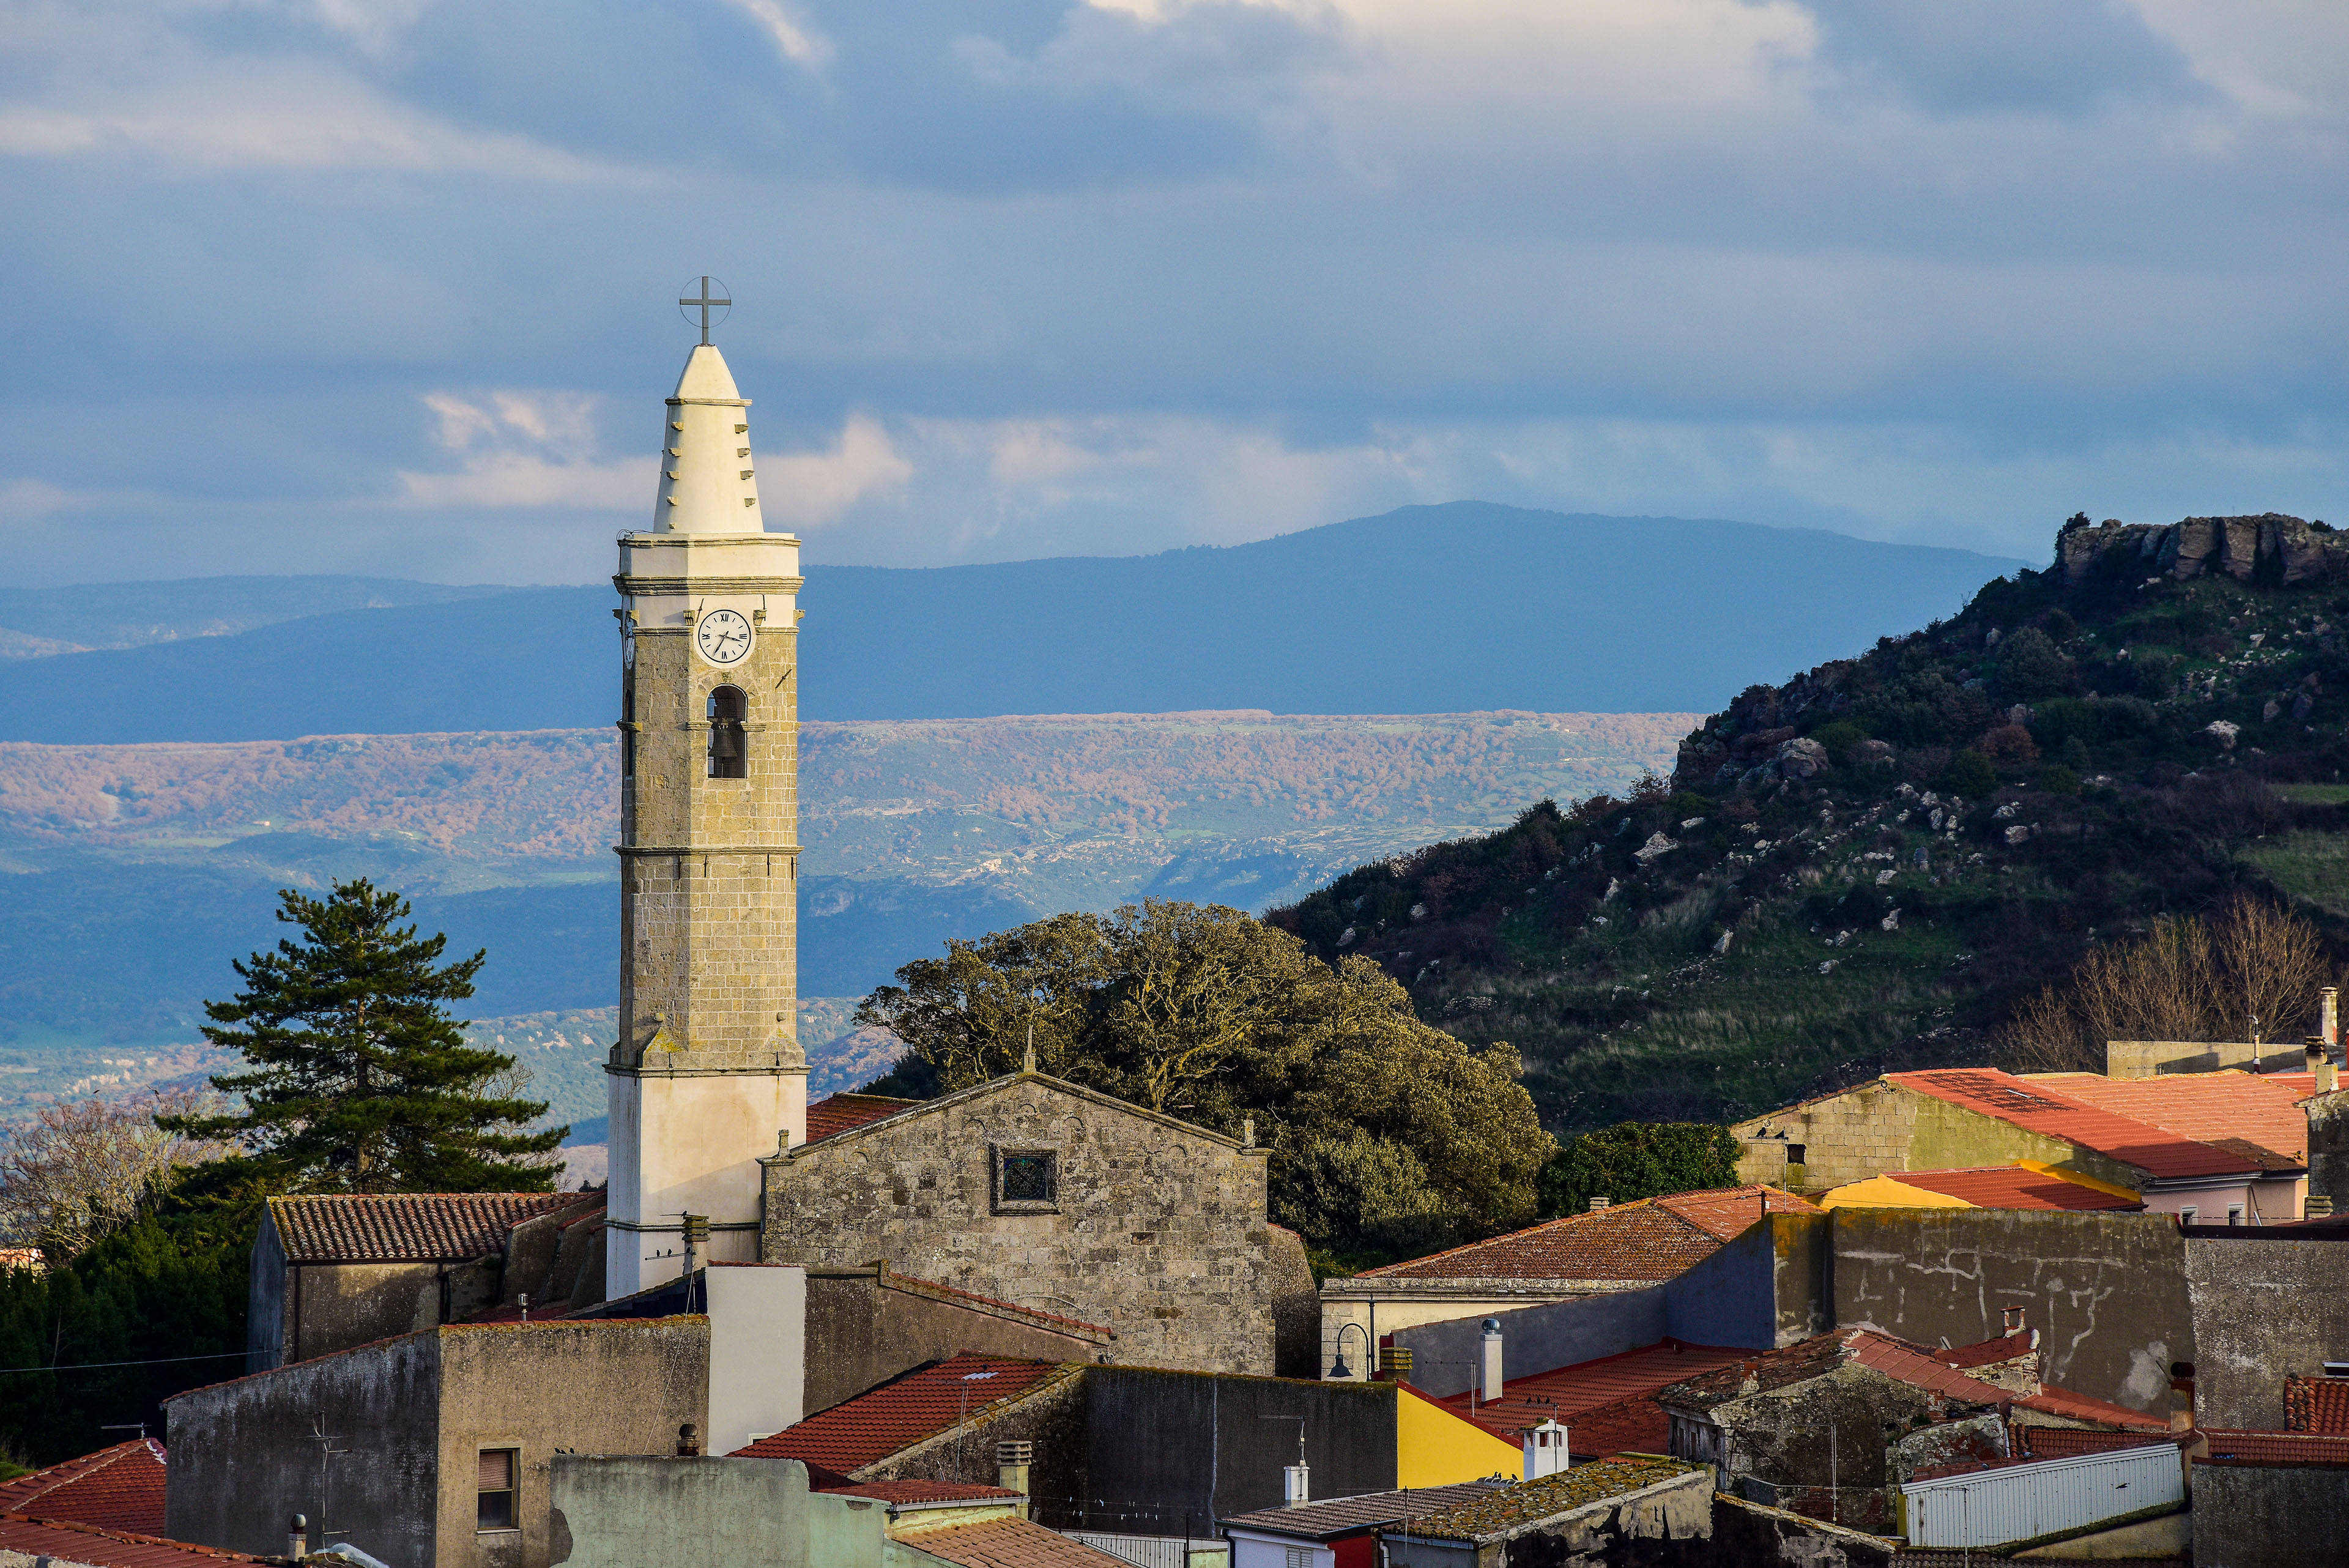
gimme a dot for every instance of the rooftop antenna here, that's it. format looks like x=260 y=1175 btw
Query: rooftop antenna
x=703 y=301
x=138 y=1427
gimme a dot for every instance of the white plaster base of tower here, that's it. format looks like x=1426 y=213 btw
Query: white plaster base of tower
x=691 y=1145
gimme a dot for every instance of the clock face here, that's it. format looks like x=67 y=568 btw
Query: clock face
x=723 y=637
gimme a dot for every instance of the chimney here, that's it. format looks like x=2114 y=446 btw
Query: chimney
x=688 y=1441
x=2010 y=1320
x=1011 y=1461
x=2328 y=1008
x=2318 y=1207
x=1294 y=1491
x=1492 y=1360
x=297 y=1537
x=1750 y=1374
x=1599 y=1204
x=1544 y=1450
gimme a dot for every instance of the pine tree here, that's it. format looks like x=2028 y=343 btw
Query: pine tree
x=358 y=1081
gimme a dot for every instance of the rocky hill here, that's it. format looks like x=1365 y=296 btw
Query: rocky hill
x=1869 y=866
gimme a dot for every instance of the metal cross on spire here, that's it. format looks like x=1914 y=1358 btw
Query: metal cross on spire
x=705 y=300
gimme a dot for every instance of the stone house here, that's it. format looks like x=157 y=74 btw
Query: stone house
x=1955 y=1118
x=1621 y=1247
x=333 y=1271
x=1051 y=1196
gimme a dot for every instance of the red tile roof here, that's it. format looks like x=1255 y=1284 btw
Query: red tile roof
x=2317 y=1405
x=405 y=1227
x=1075 y=1326
x=1567 y=1392
x=2029 y=1105
x=1990 y=1352
x=1647 y=1238
x=74 y=1542
x=1008 y=1543
x=919 y=1490
x=2275 y=1448
x=902 y=1412
x=1363 y=1512
x=2261 y=1110
x=2064 y=1442
x=2013 y=1187
x=2072 y=1406
x=838 y=1112
x=120 y=1487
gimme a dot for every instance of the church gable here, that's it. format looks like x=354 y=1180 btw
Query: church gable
x=1056 y=1197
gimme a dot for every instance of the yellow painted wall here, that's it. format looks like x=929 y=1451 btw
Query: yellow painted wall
x=1883 y=1192
x=1435 y=1448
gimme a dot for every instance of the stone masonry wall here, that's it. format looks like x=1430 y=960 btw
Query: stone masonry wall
x=1877 y=1126
x=2328 y=1148
x=1158 y=1232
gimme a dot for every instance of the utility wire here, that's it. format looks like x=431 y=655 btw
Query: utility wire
x=159 y=1361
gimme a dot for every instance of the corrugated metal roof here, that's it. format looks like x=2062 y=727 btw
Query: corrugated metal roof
x=1363 y=1512
x=2314 y=1405
x=2014 y=1186
x=2027 y=1103
x=1647 y=1238
x=1007 y=1543
x=2259 y=1109
x=903 y=1411
x=838 y=1112
x=404 y=1227
x=118 y=1488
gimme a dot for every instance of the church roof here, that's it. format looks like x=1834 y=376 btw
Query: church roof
x=961 y=1389
x=1650 y=1238
x=119 y=1488
x=404 y=1227
x=838 y=1112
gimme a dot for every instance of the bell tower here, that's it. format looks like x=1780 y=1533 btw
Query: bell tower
x=708 y=1074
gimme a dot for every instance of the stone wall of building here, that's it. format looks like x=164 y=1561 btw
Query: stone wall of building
x=865 y=1326
x=2106 y=1291
x=2269 y=1516
x=1819 y=1446
x=2328 y=1148
x=1157 y=1228
x=2266 y=1307
x=1880 y=1126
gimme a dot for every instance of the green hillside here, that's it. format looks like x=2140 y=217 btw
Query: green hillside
x=1867 y=867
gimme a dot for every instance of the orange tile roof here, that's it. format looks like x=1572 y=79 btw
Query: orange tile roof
x=838 y=1112
x=919 y=1490
x=2317 y=1405
x=2014 y=1186
x=1990 y=1352
x=1566 y=1392
x=2063 y=1442
x=2275 y=1448
x=1008 y=1543
x=2028 y=1103
x=2216 y=1108
x=120 y=1487
x=2074 y=1406
x=903 y=1411
x=404 y=1227
x=67 y=1541
x=1647 y=1238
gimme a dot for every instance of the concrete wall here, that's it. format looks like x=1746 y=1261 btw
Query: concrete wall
x=862 y=1332
x=2107 y=1291
x=1756 y=1536
x=1050 y=1419
x=1158 y=1232
x=2328 y=1148
x=2265 y=1308
x=2269 y=1516
x=266 y=1330
x=412 y=1415
x=758 y=1352
x=1444 y=1356
x=628 y=1513
x=1381 y=1308
x=2147 y=1058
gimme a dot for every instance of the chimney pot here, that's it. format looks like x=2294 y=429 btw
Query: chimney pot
x=1599 y=1204
x=297 y=1537
x=1493 y=1381
x=1011 y=1470
x=688 y=1441
x=1294 y=1489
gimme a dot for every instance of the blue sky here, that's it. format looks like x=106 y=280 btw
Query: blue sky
x=386 y=285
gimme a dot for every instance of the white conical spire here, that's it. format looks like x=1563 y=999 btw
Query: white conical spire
x=706 y=484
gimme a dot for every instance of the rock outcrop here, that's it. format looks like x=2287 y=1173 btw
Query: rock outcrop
x=2272 y=547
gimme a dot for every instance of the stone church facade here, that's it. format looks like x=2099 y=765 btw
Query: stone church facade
x=1055 y=1198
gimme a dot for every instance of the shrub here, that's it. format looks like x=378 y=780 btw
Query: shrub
x=1842 y=739
x=1970 y=774
x=2009 y=746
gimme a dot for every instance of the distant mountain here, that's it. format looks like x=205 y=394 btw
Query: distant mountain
x=1431 y=609
x=37 y=623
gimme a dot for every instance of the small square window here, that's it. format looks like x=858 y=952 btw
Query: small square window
x=497 y=1510
x=1794 y=1153
x=1027 y=1179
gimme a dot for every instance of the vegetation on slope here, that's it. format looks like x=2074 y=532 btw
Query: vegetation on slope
x=1877 y=864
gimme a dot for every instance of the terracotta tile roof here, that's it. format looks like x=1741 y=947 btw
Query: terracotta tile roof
x=919 y=1490
x=902 y=1412
x=2074 y=1406
x=1990 y=1352
x=838 y=1112
x=1077 y=1326
x=120 y=1487
x=74 y=1542
x=1565 y=1393
x=2275 y=1448
x=1897 y=1359
x=1364 y=1511
x=404 y=1227
x=1648 y=1238
x=1506 y=1508
x=1635 y=1425
x=2014 y=1186
x=1007 y=1543
x=2261 y=1110
x=2030 y=1105
x=2309 y=1405
x=2064 y=1442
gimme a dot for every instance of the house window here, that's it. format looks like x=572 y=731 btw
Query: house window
x=497 y=1490
x=1296 y=1557
x=1027 y=1179
x=2234 y=1214
x=729 y=747
x=2186 y=1215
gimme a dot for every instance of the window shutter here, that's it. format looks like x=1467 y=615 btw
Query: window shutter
x=496 y=1470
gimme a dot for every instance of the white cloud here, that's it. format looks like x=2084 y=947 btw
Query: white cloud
x=793 y=41
x=524 y=479
x=814 y=488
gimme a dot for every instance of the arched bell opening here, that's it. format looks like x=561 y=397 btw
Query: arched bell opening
x=729 y=743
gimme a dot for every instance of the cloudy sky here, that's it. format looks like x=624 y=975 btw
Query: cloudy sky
x=388 y=286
